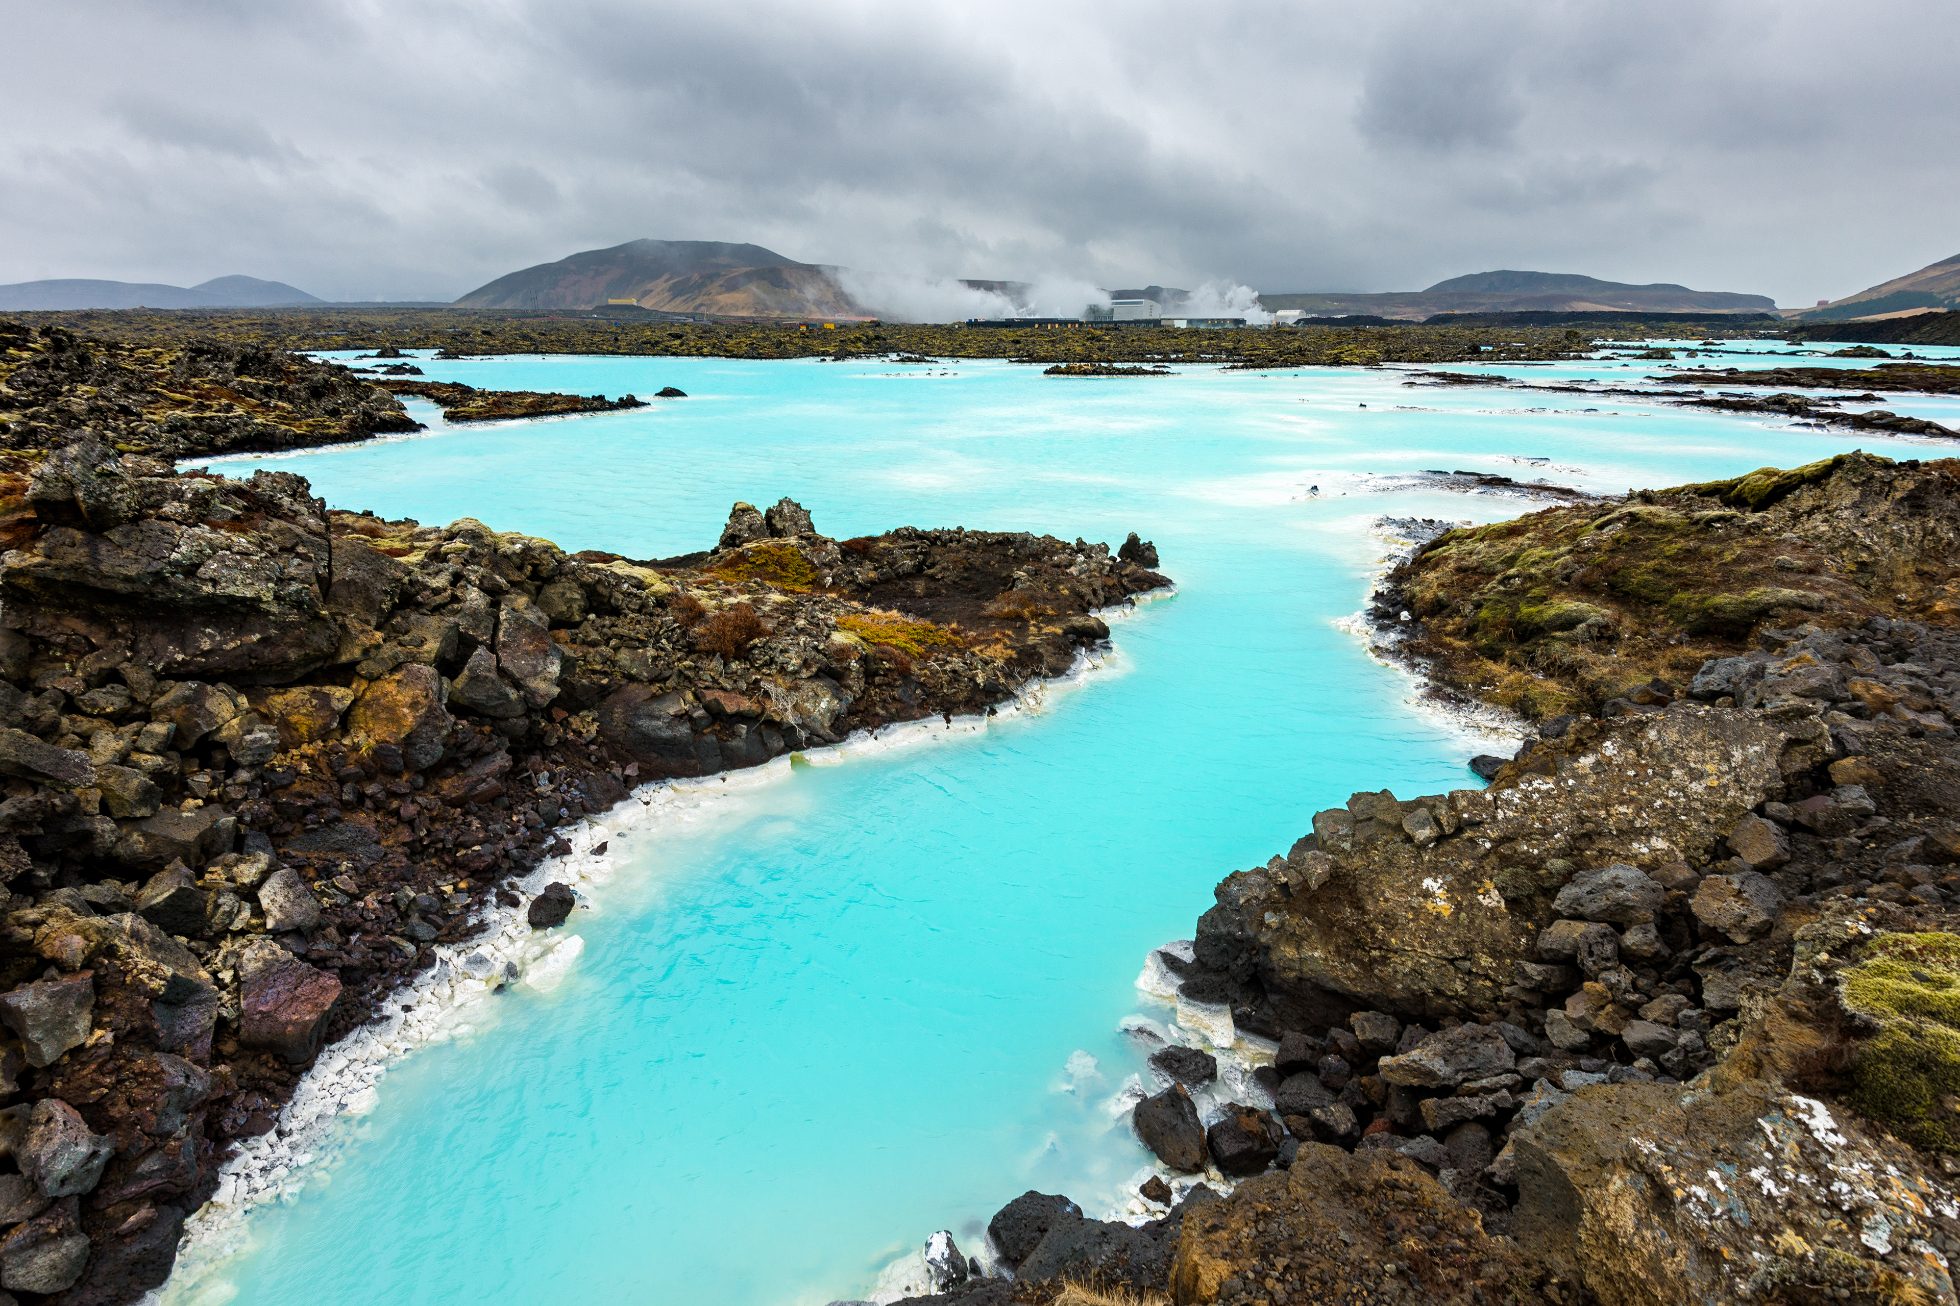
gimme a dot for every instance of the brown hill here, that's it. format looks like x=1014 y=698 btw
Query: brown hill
x=1935 y=286
x=675 y=276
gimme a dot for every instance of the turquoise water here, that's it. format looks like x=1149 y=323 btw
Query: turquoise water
x=833 y=1013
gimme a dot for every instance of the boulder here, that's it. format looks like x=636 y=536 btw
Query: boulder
x=192 y=837
x=303 y=715
x=480 y=689
x=1018 y=1227
x=1337 y=1226
x=404 y=710
x=196 y=710
x=1727 y=1191
x=1300 y=1094
x=1244 y=1141
x=283 y=1002
x=1141 y=552
x=27 y=758
x=60 y=1153
x=288 y=903
x=172 y=902
x=1185 y=1065
x=50 y=1016
x=1452 y=1057
x=788 y=519
x=1762 y=845
x=745 y=526
x=552 y=906
x=1367 y=913
x=527 y=654
x=945 y=1266
x=82 y=482
x=1615 y=895
x=1167 y=1123
x=1117 y=1256
x=45 y=1255
x=127 y=793
x=1744 y=906
x=19 y=1200
x=651 y=728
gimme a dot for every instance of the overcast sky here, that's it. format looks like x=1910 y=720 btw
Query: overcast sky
x=1797 y=148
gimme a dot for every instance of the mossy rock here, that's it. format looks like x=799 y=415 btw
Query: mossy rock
x=1557 y=616
x=1907 y=1074
x=1735 y=615
x=776 y=563
x=1764 y=486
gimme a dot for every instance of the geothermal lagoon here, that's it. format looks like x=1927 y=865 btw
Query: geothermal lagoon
x=816 y=1012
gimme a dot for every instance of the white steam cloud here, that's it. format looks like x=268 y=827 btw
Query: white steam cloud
x=900 y=297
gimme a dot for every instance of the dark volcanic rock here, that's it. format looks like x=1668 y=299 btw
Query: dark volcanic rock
x=552 y=906
x=1168 y=1125
x=50 y=1016
x=1244 y=1141
x=60 y=1155
x=1018 y=1227
x=283 y=1002
x=1186 y=1065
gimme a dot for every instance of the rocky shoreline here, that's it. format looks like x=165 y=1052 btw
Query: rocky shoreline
x=264 y=762
x=1664 y=1014
x=464 y=403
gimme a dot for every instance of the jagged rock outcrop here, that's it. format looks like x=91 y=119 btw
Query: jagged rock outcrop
x=1583 y=607
x=1427 y=907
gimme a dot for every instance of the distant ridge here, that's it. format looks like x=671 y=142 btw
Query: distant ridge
x=219 y=292
x=1513 y=291
x=674 y=276
x=1935 y=286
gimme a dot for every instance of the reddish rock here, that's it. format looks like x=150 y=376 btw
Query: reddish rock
x=283 y=1002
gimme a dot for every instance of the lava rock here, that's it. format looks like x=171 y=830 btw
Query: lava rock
x=283 y=1002
x=1185 y=1065
x=1762 y=845
x=552 y=906
x=1018 y=1227
x=1615 y=895
x=1139 y=551
x=1167 y=1123
x=288 y=903
x=1450 y=1058
x=172 y=901
x=1743 y=907
x=1244 y=1142
x=745 y=526
x=50 y=1016
x=60 y=1153
x=945 y=1266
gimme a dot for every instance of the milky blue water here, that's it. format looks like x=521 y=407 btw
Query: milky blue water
x=839 y=1011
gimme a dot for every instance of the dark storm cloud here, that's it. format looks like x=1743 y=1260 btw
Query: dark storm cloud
x=417 y=148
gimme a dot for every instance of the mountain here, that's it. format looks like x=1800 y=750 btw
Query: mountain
x=675 y=276
x=1511 y=291
x=219 y=292
x=251 y=292
x=1935 y=286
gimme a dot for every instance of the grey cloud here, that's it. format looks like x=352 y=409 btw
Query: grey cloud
x=1793 y=147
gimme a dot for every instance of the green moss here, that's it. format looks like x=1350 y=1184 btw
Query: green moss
x=1764 y=486
x=1735 y=615
x=909 y=636
x=773 y=562
x=1907 y=1074
x=1556 y=616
